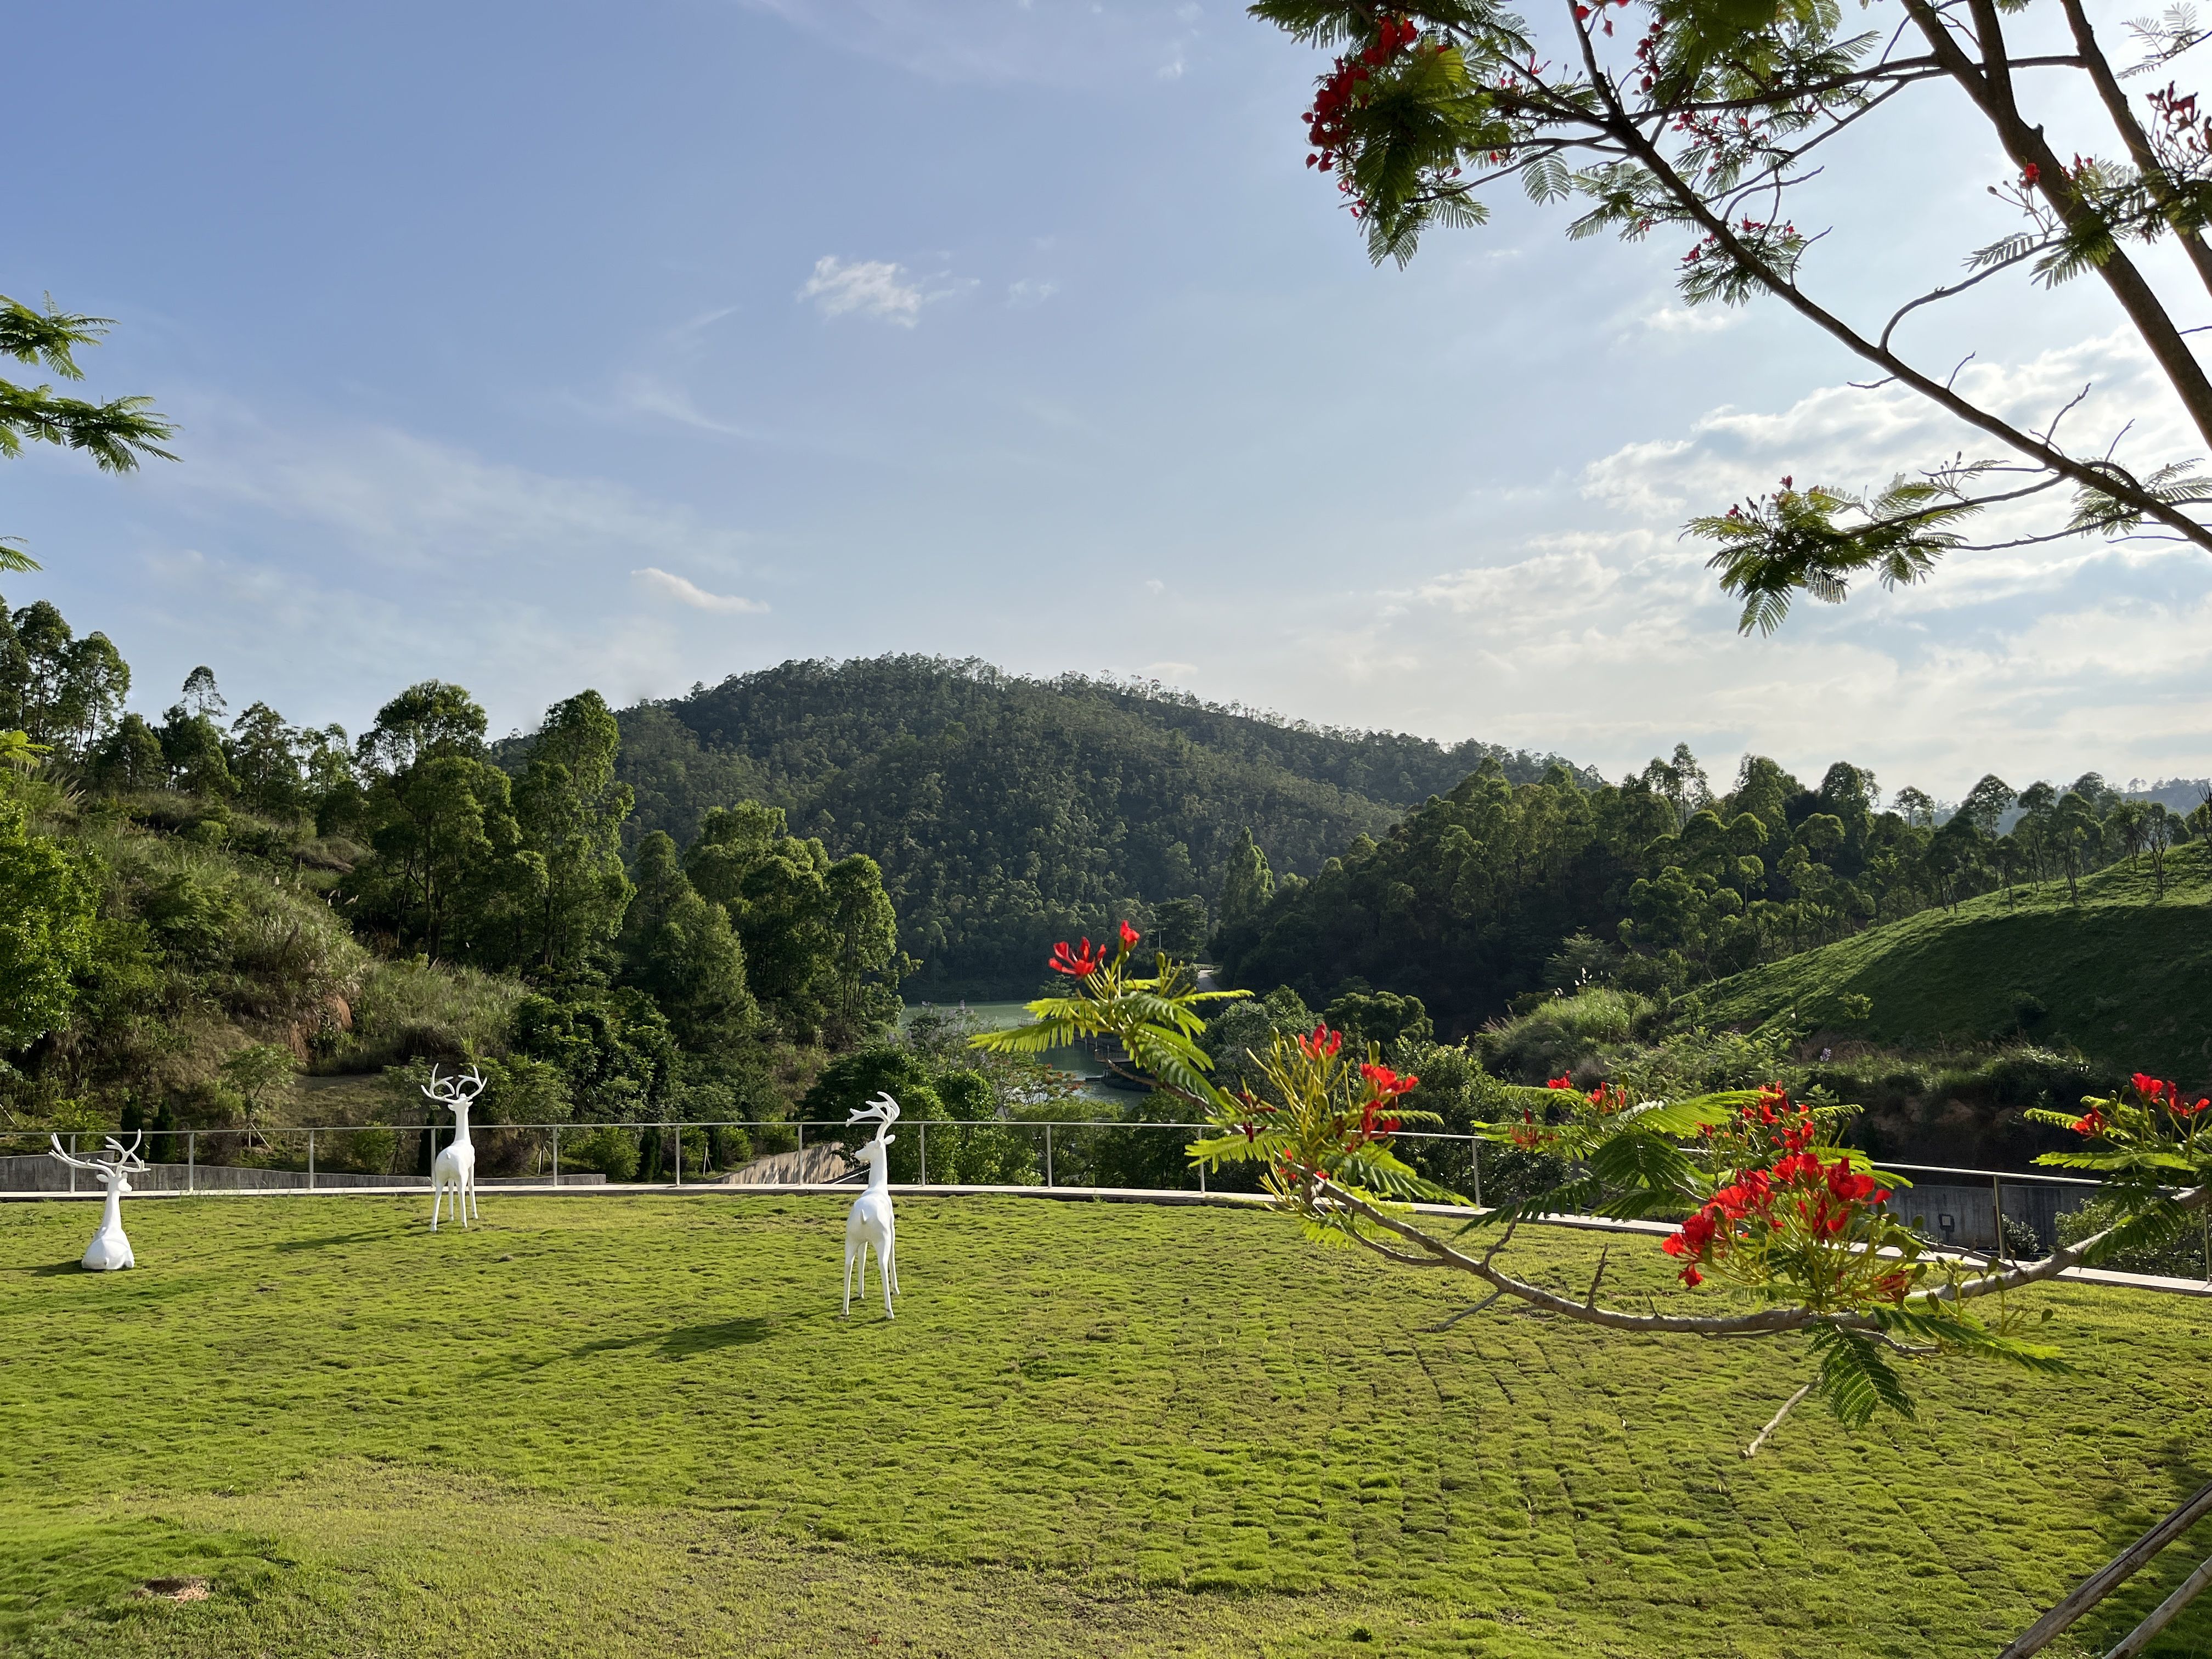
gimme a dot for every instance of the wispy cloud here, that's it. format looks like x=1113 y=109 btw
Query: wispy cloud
x=1029 y=292
x=874 y=288
x=682 y=591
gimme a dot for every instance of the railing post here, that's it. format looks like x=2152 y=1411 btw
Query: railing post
x=802 y=1152
x=1996 y=1214
x=1474 y=1155
x=72 y=1167
x=556 y=1155
x=192 y=1159
x=1048 y=1154
x=678 y=1130
x=311 y=1160
x=921 y=1134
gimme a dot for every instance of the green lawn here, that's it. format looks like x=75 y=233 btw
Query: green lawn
x=636 y=1426
x=2124 y=971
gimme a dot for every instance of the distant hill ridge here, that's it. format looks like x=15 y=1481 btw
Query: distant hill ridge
x=1008 y=811
x=2123 y=972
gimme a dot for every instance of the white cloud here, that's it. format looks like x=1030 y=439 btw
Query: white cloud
x=1612 y=641
x=1155 y=587
x=687 y=592
x=1691 y=320
x=874 y=288
x=1028 y=293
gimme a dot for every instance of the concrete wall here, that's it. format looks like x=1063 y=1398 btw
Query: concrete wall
x=1971 y=1206
x=47 y=1175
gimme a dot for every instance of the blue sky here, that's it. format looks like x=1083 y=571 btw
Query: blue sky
x=540 y=347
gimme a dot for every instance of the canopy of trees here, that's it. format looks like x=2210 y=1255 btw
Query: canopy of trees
x=1005 y=813
x=1499 y=889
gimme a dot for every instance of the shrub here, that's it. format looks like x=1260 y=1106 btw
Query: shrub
x=2180 y=1258
x=609 y=1149
x=411 y=1010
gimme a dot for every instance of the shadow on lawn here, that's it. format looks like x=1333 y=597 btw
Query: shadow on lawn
x=2189 y=1636
x=686 y=1340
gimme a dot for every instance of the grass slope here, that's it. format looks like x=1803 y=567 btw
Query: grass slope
x=636 y=1426
x=2124 y=973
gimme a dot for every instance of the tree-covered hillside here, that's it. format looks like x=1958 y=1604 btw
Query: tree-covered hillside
x=1503 y=889
x=1008 y=813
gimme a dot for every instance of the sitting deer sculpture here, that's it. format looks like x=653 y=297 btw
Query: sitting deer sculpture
x=454 y=1170
x=870 y=1222
x=109 y=1249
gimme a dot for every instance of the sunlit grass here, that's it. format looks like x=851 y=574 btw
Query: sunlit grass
x=636 y=1425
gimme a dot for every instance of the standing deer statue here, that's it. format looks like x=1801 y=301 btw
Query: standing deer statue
x=870 y=1222
x=109 y=1248
x=454 y=1170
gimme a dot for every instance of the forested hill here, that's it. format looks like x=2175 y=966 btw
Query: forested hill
x=1007 y=813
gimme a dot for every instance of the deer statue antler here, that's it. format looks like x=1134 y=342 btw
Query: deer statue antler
x=475 y=1084
x=882 y=1111
x=127 y=1157
x=73 y=1162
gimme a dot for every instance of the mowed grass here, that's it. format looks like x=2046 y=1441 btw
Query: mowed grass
x=636 y=1425
x=2124 y=972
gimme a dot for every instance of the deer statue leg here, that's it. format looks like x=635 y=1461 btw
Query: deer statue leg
x=475 y=1210
x=891 y=1255
x=883 y=1268
x=848 y=1275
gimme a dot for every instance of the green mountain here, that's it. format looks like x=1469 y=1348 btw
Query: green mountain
x=2123 y=973
x=1007 y=813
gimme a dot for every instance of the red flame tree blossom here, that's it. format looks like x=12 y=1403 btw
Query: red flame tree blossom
x=1768 y=1208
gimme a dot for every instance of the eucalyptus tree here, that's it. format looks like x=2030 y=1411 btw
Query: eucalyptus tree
x=1703 y=120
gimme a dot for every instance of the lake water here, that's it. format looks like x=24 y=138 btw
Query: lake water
x=1003 y=1016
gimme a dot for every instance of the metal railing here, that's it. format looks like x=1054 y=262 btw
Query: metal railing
x=1073 y=1152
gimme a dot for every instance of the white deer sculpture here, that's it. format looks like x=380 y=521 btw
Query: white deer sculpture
x=109 y=1248
x=454 y=1170
x=870 y=1222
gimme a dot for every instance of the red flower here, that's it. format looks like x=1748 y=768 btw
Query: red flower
x=2090 y=1124
x=1386 y=1083
x=2030 y=174
x=1323 y=1043
x=1129 y=936
x=2180 y=1110
x=1076 y=964
x=1558 y=1083
x=1693 y=1278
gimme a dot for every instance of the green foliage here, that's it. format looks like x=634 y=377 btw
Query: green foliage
x=1818 y=539
x=48 y=930
x=966 y=1143
x=1005 y=813
x=117 y=434
x=608 y=1149
x=2181 y=1253
x=613 y=1049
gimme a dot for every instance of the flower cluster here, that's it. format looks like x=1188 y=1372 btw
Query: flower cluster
x=1343 y=90
x=1321 y=1043
x=1786 y=1208
x=2182 y=127
x=1081 y=961
x=1077 y=962
x=1585 y=13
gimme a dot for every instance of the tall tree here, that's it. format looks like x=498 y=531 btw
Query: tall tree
x=569 y=810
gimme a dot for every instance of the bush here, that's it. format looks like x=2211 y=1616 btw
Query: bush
x=411 y=1010
x=609 y=1149
x=2178 y=1258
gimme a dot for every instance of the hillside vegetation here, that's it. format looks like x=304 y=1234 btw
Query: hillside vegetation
x=2123 y=972
x=637 y=1427
x=1007 y=813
